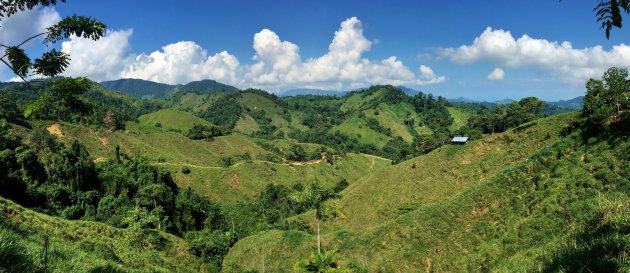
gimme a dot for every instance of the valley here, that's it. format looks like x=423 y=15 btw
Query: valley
x=413 y=142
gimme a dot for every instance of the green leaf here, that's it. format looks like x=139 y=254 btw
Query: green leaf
x=609 y=14
x=80 y=26
x=20 y=62
x=8 y=8
x=51 y=63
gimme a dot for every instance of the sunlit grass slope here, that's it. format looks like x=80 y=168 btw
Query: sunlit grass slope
x=443 y=172
x=460 y=117
x=209 y=176
x=160 y=146
x=246 y=180
x=356 y=128
x=525 y=199
x=171 y=119
x=82 y=246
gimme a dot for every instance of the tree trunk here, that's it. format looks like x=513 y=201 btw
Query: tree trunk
x=318 y=241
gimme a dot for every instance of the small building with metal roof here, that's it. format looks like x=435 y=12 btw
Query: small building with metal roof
x=459 y=140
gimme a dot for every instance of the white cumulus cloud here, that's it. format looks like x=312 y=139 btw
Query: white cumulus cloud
x=182 y=62
x=427 y=76
x=496 y=75
x=100 y=60
x=279 y=65
x=276 y=64
x=500 y=48
x=24 y=24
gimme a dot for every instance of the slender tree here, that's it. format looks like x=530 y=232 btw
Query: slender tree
x=315 y=196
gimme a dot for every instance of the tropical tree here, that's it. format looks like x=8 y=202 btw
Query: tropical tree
x=608 y=100
x=315 y=196
x=531 y=107
x=320 y=262
x=52 y=62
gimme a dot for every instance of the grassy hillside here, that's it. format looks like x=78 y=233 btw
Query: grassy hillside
x=159 y=146
x=442 y=173
x=194 y=102
x=171 y=119
x=208 y=176
x=460 y=117
x=522 y=199
x=245 y=180
x=82 y=246
x=357 y=128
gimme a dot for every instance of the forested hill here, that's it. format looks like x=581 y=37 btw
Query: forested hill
x=220 y=181
x=139 y=88
x=148 y=89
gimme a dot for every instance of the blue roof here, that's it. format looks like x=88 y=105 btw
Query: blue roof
x=460 y=139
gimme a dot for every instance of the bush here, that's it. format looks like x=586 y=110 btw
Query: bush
x=205 y=132
x=226 y=161
x=185 y=170
x=341 y=185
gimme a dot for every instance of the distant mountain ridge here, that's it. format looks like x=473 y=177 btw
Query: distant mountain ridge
x=311 y=91
x=574 y=103
x=149 y=89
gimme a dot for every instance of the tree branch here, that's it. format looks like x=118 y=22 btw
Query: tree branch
x=23 y=79
x=33 y=37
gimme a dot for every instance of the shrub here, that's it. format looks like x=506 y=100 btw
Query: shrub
x=226 y=161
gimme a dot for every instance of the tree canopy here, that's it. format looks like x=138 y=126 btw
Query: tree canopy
x=607 y=101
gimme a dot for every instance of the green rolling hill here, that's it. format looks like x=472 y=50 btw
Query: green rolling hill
x=526 y=192
x=492 y=203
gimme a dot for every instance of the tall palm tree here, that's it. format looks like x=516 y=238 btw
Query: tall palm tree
x=315 y=196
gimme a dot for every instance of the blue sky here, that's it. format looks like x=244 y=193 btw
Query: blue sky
x=425 y=34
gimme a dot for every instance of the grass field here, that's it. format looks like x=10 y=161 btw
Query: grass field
x=171 y=119
x=158 y=146
x=194 y=102
x=356 y=128
x=246 y=125
x=436 y=208
x=460 y=117
x=246 y=180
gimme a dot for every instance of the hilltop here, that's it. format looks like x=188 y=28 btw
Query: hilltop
x=148 y=89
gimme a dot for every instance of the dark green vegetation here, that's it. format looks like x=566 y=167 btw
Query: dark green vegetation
x=610 y=13
x=227 y=180
x=148 y=89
